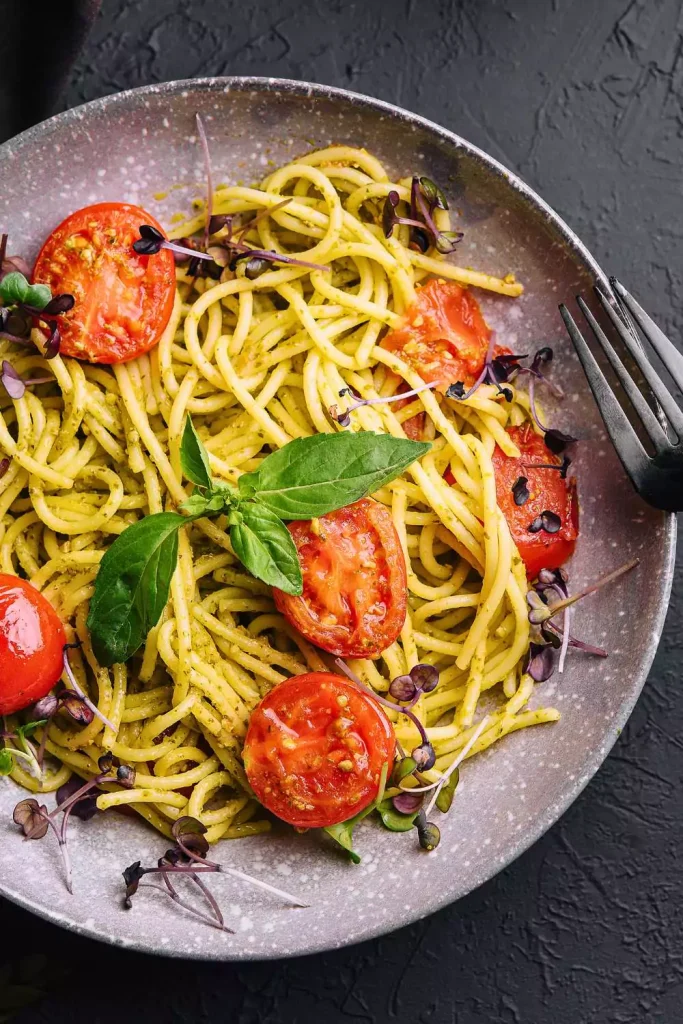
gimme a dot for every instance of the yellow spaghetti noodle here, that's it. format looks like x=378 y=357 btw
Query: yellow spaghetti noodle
x=258 y=363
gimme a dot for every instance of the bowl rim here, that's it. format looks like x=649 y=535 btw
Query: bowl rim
x=307 y=90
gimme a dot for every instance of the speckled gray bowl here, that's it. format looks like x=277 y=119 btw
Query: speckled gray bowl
x=136 y=145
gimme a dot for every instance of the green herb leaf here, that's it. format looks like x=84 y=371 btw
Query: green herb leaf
x=265 y=547
x=38 y=296
x=6 y=761
x=343 y=832
x=194 y=457
x=314 y=475
x=132 y=586
x=13 y=288
x=447 y=792
x=198 y=505
x=394 y=820
x=402 y=769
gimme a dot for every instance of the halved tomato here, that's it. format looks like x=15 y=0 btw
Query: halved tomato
x=548 y=492
x=123 y=300
x=315 y=750
x=31 y=645
x=444 y=336
x=355 y=594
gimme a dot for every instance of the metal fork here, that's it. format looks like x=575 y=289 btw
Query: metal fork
x=658 y=478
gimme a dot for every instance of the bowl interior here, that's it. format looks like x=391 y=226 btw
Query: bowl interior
x=141 y=147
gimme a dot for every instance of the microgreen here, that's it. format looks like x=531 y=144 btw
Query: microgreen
x=425 y=198
x=560 y=468
x=187 y=859
x=22 y=302
x=520 y=491
x=74 y=797
x=308 y=477
x=24 y=750
x=76 y=702
x=14 y=384
x=497 y=370
x=343 y=416
x=548 y=598
x=548 y=521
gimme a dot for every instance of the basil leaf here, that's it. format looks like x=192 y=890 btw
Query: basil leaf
x=194 y=458
x=198 y=505
x=132 y=586
x=342 y=833
x=314 y=475
x=6 y=761
x=394 y=820
x=38 y=296
x=447 y=792
x=13 y=288
x=265 y=547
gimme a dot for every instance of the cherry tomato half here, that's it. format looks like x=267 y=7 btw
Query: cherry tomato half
x=123 y=300
x=31 y=645
x=547 y=492
x=444 y=336
x=315 y=750
x=354 y=598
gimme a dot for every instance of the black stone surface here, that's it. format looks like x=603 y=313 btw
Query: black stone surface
x=584 y=100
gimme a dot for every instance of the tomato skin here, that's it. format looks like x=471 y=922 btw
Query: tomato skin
x=444 y=336
x=355 y=591
x=123 y=300
x=548 y=492
x=31 y=645
x=298 y=737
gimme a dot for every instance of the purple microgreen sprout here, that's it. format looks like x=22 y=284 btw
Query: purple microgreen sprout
x=560 y=468
x=75 y=685
x=496 y=370
x=204 y=142
x=267 y=212
x=407 y=802
x=428 y=833
x=423 y=755
x=520 y=491
x=548 y=521
x=545 y=634
x=14 y=384
x=425 y=197
x=343 y=417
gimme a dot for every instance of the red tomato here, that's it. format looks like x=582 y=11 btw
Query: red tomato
x=315 y=750
x=123 y=301
x=31 y=645
x=547 y=492
x=444 y=336
x=355 y=592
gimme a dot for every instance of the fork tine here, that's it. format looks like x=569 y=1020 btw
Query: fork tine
x=624 y=438
x=650 y=422
x=659 y=389
x=668 y=353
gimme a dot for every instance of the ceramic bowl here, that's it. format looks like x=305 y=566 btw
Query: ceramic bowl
x=136 y=146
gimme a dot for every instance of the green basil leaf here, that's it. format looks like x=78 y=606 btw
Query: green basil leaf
x=13 y=288
x=38 y=296
x=132 y=586
x=198 y=505
x=6 y=761
x=194 y=458
x=265 y=547
x=394 y=820
x=314 y=475
x=342 y=833
x=447 y=792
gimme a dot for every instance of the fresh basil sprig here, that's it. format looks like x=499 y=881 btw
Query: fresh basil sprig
x=309 y=477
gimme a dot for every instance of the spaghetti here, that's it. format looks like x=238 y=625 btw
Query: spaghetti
x=259 y=362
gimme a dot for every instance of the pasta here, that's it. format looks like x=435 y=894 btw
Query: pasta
x=257 y=363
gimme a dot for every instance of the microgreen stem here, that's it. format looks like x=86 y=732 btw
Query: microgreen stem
x=265 y=885
x=566 y=626
x=609 y=578
x=187 y=906
x=75 y=685
x=209 y=178
x=451 y=768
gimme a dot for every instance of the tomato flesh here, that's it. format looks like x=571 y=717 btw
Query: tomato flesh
x=547 y=492
x=355 y=594
x=123 y=300
x=315 y=749
x=31 y=645
x=444 y=336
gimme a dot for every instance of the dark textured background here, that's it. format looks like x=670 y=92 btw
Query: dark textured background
x=584 y=99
